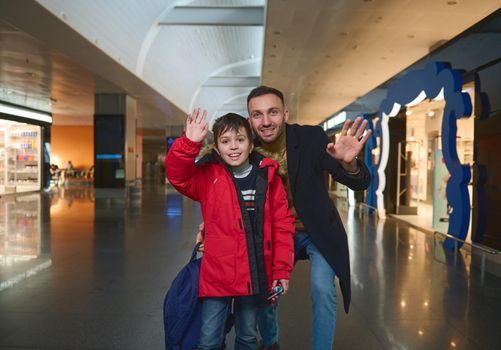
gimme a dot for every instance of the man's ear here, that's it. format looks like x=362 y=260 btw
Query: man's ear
x=286 y=114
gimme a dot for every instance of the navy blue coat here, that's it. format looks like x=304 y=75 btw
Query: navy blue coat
x=307 y=161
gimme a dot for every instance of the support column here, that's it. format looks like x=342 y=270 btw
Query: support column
x=115 y=148
x=130 y=139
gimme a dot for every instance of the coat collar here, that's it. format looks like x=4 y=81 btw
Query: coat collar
x=293 y=157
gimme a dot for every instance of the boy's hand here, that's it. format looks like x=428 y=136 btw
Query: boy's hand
x=283 y=282
x=196 y=125
x=201 y=236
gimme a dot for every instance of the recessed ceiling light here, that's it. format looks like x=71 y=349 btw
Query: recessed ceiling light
x=451 y=3
x=343 y=33
x=383 y=58
x=277 y=32
x=328 y=56
x=411 y=36
x=354 y=47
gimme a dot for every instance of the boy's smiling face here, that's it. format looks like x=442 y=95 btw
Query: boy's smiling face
x=234 y=147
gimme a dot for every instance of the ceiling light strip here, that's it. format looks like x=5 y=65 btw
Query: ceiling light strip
x=24 y=113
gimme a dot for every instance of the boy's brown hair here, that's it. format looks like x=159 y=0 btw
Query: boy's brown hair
x=231 y=122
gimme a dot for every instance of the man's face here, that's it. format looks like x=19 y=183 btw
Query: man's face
x=267 y=116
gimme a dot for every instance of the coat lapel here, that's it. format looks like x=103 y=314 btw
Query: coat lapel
x=292 y=145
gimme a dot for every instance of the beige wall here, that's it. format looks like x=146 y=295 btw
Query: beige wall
x=75 y=143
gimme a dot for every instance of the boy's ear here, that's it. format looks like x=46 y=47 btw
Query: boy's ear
x=215 y=148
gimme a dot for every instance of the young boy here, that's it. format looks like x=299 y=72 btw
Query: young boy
x=248 y=246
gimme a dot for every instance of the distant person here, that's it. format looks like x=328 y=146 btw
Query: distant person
x=90 y=174
x=248 y=246
x=55 y=173
x=69 y=169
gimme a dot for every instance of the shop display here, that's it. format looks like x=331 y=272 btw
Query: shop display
x=440 y=178
x=19 y=157
x=2 y=157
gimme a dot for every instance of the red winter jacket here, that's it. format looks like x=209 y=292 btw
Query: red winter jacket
x=228 y=269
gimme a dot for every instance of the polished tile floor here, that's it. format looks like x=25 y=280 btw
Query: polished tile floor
x=81 y=269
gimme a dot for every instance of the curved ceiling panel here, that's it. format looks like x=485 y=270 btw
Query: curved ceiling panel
x=182 y=58
x=176 y=58
x=116 y=27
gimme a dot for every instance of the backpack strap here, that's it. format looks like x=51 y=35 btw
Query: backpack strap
x=195 y=251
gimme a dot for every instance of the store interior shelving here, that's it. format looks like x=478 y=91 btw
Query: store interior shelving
x=20 y=158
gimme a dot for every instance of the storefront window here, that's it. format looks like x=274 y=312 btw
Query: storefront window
x=427 y=175
x=20 y=166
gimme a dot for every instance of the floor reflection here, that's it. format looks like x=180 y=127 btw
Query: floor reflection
x=91 y=264
x=67 y=200
x=21 y=253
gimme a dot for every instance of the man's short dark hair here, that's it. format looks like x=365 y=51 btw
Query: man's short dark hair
x=265 y=90
x=231 y=122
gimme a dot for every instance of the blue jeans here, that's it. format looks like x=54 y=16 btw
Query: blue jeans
x=323 y=297
x=214 y=314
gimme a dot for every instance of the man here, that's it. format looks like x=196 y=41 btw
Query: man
x=305 y=152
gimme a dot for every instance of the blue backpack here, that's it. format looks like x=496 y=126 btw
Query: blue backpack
x=183 y=309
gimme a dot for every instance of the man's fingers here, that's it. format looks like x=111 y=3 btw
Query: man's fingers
x=346 y=127
x=354 y=127
x=330 y=148
x=366 y=136
x=361 y=129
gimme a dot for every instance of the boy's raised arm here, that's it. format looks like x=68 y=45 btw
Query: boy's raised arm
x=180 y=161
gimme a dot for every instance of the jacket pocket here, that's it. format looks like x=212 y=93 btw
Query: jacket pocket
x=220 y=260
